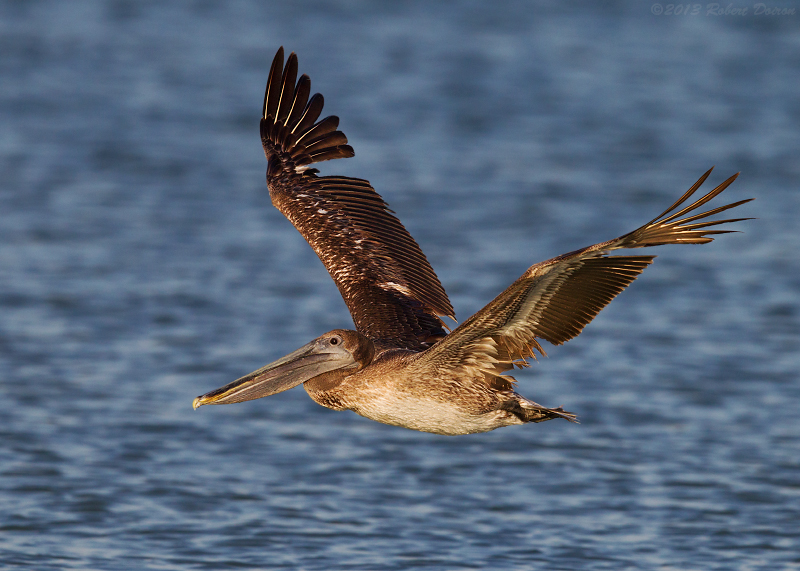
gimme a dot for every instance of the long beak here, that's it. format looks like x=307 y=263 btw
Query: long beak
x=295 y=368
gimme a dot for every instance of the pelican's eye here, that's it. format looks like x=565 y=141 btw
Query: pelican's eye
x=335 y=340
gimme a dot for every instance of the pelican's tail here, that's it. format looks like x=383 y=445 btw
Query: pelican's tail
x=290 y=131
x=529 y=411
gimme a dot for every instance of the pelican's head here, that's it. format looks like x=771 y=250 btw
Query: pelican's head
x=339 y=349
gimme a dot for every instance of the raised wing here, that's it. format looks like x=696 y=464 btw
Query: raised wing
x=387 y=283
x=555 y=299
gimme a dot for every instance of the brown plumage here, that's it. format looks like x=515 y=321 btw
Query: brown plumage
x=401 y=366
x=387 y=283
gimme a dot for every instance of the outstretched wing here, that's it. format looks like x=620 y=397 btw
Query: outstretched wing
x=387 y=283
x=554 y=300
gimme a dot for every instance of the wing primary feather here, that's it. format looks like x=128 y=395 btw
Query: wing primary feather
x=299 y=102
x=287 y=89
x=272 y=95
x=702 y=200
x=327 y=125
x=685 y=196
x=310 y=113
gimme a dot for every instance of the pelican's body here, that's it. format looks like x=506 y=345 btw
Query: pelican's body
x=393 y=391
x=400 y=366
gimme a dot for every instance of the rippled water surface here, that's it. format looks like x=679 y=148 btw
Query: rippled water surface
x=142 y=264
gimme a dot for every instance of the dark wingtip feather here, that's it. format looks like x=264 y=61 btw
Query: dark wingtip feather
x=310 y=114
x=273 y=85
x=670 y=228
x=700 y=202
x=289 y=129
x=685 y=196
x=286 y=96
x=299 y=102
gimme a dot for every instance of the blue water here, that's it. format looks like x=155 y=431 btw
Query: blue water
x=141 y=264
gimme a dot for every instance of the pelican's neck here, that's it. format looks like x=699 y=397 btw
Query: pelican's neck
x=322 y=388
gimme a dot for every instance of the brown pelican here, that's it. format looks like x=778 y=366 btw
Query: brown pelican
x=401 y=366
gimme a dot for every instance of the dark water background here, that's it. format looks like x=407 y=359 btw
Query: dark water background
x=141 y=264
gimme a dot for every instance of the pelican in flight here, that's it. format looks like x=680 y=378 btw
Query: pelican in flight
x=400 y=365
